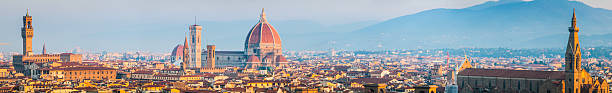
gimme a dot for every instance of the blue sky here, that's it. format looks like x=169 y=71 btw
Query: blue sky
x=159 y=25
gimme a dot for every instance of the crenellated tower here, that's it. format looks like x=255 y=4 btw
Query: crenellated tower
x=210 y=62
x=27 y=32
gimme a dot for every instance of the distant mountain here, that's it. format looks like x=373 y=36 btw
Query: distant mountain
x=503 y=23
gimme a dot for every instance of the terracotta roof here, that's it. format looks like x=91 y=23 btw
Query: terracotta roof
x=192 y=76
x=164 y=75
x=531 y=74
x=84 y=68
x=235 y=89
x=271 y=81
x=172 y=69
x=371 y=80
x=143 y=72
x=67 y=64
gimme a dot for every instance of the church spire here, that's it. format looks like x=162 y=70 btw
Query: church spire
x=572 y=53
x=574 y=20
x=573 y=58
x=186 y=57
x=44 y=51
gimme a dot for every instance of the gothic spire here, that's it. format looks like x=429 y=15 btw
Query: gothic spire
x=44 y=51
x=574 y=20
x=186 y=44
x=572 y=53
x=186 y=57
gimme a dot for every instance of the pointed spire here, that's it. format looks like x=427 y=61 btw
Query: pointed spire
x=574 y=27
x=186 y=57
x=28 y=12
x=186 y=44
x=572 y=53
x=44 y=51
x=574 y=18
x=263 y=15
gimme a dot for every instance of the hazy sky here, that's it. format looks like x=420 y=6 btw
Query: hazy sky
x=67 y=24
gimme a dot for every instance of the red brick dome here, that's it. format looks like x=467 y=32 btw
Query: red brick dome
x=263 y=32
x=178 y=51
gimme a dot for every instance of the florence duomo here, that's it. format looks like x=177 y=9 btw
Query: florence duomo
x=306 y=46
x=262 y=48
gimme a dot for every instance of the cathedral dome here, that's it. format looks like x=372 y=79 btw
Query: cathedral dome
x=263 y=32
x=178 y=50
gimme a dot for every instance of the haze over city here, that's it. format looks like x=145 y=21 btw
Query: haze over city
x=157 y=26
x=278 y=46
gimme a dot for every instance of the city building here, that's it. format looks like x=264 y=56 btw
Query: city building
x=80 y=73
x=573 y=80
x=28 y=63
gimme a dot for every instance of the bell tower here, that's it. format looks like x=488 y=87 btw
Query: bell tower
x=572 y=60
x=210 y=62
x=27 y=32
